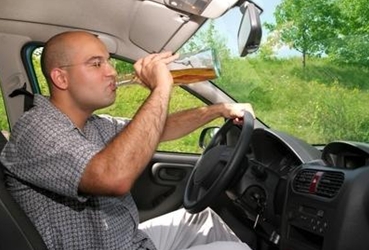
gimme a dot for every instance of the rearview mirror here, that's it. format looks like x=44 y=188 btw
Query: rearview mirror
x=249 y=32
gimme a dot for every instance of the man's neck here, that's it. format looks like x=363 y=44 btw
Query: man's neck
x=76 y=115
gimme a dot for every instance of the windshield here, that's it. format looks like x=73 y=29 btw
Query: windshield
x=309 y=77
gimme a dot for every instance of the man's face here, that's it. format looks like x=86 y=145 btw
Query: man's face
x=91 y=77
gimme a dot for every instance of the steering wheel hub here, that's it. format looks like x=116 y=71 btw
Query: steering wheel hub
x=211 y=165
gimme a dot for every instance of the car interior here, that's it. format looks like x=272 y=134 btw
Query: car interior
x=17 y=230
x=274 y=190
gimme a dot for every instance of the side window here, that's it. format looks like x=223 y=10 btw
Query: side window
x=36 y=65
x=4 y=125
x=130 y=97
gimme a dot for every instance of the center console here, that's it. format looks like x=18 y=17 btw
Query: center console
x=326 y=208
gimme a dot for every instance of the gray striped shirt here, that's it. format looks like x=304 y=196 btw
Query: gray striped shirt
x=45 y=159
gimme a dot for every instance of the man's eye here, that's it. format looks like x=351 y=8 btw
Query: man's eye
x=96 y=64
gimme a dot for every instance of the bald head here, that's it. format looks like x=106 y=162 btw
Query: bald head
x=59 y=50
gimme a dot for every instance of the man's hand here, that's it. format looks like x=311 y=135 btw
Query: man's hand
x=236 y=111
x=152 y=70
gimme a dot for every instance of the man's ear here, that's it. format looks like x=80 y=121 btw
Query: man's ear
x=59 y=78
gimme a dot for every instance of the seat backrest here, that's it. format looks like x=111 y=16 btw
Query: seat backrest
x=16 y=229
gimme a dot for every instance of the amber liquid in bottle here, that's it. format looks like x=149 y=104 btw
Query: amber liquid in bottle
x=192 y=75
x=180 y=76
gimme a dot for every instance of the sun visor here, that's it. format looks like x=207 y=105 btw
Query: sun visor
x=154 y=25
x=204 y=8
x=109 y=42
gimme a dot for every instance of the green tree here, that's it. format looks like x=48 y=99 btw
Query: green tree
x=307 y=26
x=352 y=43
x=267 y=48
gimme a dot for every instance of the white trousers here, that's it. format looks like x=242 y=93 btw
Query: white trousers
x=180 y=230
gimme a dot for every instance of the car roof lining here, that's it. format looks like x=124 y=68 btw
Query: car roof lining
x=123 y=35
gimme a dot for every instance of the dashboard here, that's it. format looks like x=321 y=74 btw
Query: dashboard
x=344 y=154
x=308 y=199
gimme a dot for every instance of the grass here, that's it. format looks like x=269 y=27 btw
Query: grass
x=319 y=103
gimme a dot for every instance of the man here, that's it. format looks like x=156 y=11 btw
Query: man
x=72 y=171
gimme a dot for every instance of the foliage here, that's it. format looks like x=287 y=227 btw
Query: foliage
x=319 y=103
x=307 y=26
x=122 y=67
x=37 y=67
x=351 y=46
x=4 y=126
x=337 y=29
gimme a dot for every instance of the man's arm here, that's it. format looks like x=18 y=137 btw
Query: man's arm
x=184 y=122
x=115 y=168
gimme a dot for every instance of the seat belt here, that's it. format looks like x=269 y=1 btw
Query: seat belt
x=28 y=97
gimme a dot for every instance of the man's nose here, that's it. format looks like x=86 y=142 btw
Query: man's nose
x=111 y=70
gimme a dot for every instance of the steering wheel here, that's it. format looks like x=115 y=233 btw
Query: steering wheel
x=217 y=166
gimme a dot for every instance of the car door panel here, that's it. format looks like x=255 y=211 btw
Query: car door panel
x=160 y=187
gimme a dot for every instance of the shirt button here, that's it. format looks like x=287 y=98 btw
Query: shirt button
x=106 y=226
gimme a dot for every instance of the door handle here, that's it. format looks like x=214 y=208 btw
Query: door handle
x=171 y=172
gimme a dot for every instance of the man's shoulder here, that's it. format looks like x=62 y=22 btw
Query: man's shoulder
x=40 y=121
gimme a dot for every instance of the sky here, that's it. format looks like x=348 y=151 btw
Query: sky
x=268 y=7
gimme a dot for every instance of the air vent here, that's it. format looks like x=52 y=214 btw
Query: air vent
x=303 y=181
x=330 y=184
x=321 y=183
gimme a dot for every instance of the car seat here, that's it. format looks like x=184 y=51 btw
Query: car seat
x=16 y=230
